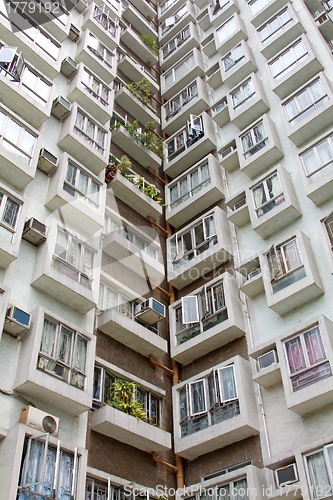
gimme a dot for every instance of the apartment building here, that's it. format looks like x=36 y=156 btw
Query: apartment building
x=166 y=235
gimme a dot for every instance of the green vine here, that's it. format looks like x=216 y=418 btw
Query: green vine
x=148 y=138
x=122 y=398
x=141 y=90
x=151 y=43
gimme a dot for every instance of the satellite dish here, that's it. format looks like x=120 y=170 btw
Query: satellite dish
x=49 y=424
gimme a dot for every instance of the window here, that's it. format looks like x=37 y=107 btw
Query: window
x=90 y=131
x=198 y=313
x=285 y=265
x=186 y=138
x=171 y=21
x=63 y=353
x=179 y=70
x=176 y=42
x=288 y=60
x=73 y=258
x=112 y=299
x=95 y=87
x=328 y=221
x=208 y=401
x=100 y=50
x=95 y=490
x=9 y=210
x=102 y=391
x=104 y=20
x=81 y=186
x=185 y=246
x=189 y=185
x=48 y=470
x=243 y=95
x=306 y=359
x=218 y=5
x=16 y=139
x=254 y=140
x=227 y=29
x=275 y=25
x=176 y=104
x=234 y=57
x=113 y=225
x=319 y=468
x=257 y=5
x=165 y=5
x=318 y=161
x=267 y=195
x=305 y=103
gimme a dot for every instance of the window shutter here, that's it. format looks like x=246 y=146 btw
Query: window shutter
x=34 y=468
x=273 y=262
x=190 y=309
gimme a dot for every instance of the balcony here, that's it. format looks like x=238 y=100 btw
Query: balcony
x=189 y=145
x=176 y=22
x=204 y=188
x=134 y=106
x=253 y=284
x=236 y=65
x=274 y=40
x=11 y=225
x=221 y=11
x=127 y=142
x=179 y=46
x=167 y=8
x=286 y=79
x=228 y=156
x=182 y=74
x=301 y=122
x=238 y=212
x=247 y=102
x=231 y=33
x=18 y=158
x=131 y=38
x=131 y=256
x=91 y=150
x=311 y=388
x=34 y=110
x=133 y=334
x=220 y=112
x=186 y=265
x=47 y=384
x=217 y=328
x=262 y=10
x=130 y=194
x=142 y=23
x=324 y=23
x=92 y=94
x=194 y=99
x=59 y=279
x=97 y=58
x=79 y=210
x=272 y=202
x=298 y=282
x=127 y=429
x=97 y=20
x=132 y=69
x=259 y=147
x=229 y=423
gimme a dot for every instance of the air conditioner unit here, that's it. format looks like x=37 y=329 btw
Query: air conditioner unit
x=34 y=231
x=254 y=273
x=286 y=475
x=227 y=152
x=47 y=162
x=74 y=33
x=39 y=420
x=150 y=311
x=81 y=5
x=60 y=107
x=240 y=204
x=267 y=359
x=68 y=66
x=16 y=322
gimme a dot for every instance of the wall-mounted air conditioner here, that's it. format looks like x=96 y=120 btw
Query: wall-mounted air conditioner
x=74 y=33
x=47 y=162
x=60 y=107
x=227 y=152
x=286 y=475
x=68 y=66
x=240 y=204
x=254 y=272
x=40 y=420
x=16 y=322
x=34 y=231
x=81 y=5
x=150 y=311
x=267 y=359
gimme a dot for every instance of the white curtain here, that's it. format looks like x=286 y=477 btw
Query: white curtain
x=318 y=474
x=210 y=227
x=48 y=338
x=198 y=397
x=88 y=262
x=80 y=354
x=258 y=195
x=276 y=188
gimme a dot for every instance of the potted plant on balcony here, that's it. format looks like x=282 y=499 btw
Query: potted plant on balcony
x=123 y=399
x=151 y=43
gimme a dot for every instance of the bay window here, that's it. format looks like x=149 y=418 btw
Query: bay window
x=275 y=25
x=234 y=57
x=306 y=358
x=100 y=50
x=73 y=258
x=176 y=104
x=319 y=468
x=95 y=87
x=318 y=161
x=63 y=353
x=171 y=21
x=90 y=131
x=254 y=140
x=189 y=185
x=81 y=186
x=208 y=401
x=193 y=242
x=305 y=102
x=288 y=60
x=175 y=42
x=104 y=20
x=267 y=195
x=16 y=139
x=227 y=29
x=186 y=138
x=243 y=94
x=179 y=70
x=198 y=313
x=285 y=265
x=48 y=471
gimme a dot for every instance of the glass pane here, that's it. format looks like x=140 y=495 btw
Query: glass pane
x=218 y=297
x=314 y=345
x=295 y=355
x=71 y=174
x=75 y=253
x=227 y=384
x=83 y=183
x=48 y=338
x=198 y=402
x=13 y=132
x=291 y=254
x=80 y=354
x=10 y=212
x=65 y=344
x=190 y=309
x=318 y=474
x=210 y=228
x=88 y=261
x=61 y=244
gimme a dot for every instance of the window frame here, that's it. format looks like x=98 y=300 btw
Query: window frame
x=270 y=21
x=263 y=142
x=324 y=451
x=80 y=194
x=295 y=59
x=230 y=55
x=322 y=165
x=94 y=141
x=245 y=98
x=20 y=139
x=4 y=198
x=280 y=261
x=266 y=191
x=314 y=105
x=203 y=182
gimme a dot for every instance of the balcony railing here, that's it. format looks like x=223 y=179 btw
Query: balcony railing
x=104 y=20
x=215 y=416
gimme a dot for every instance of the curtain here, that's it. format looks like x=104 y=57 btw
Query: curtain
x=295 y=355
x=237 y=97
x=240 y=490
x=224 y=492
x=248 y=89
x=94 y=191
x=65 y=476
x=247 y=141
x=74 y=254
x=210 y=228
x=88 y=262
x=71 y=174
x=183 y=403
x=237 y=53
x=61 y=244
x=227 y=384
x=48 y=338
x=83 y=183
x=318 y=474
x=79 y=122
x=174 y=193
x=275 y=185
x=198 y=397
x=80 y=354
x=291 y=109
x=317 y=90
x=194 y=177
x=314 y=345
x=310 y=162
x=111 y=298
x=325 y=152
x=65 y=344
x=90 y=130
x=218 y=295
x=258 y=195
x=299 y=49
